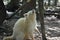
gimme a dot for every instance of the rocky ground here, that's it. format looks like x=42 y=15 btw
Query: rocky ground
x=52 y=28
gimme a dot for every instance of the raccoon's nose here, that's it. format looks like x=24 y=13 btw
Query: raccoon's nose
x=33 y=11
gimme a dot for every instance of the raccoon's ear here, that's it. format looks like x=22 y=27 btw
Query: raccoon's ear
x=25 y=15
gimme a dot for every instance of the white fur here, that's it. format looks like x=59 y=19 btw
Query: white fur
x=24 y=25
